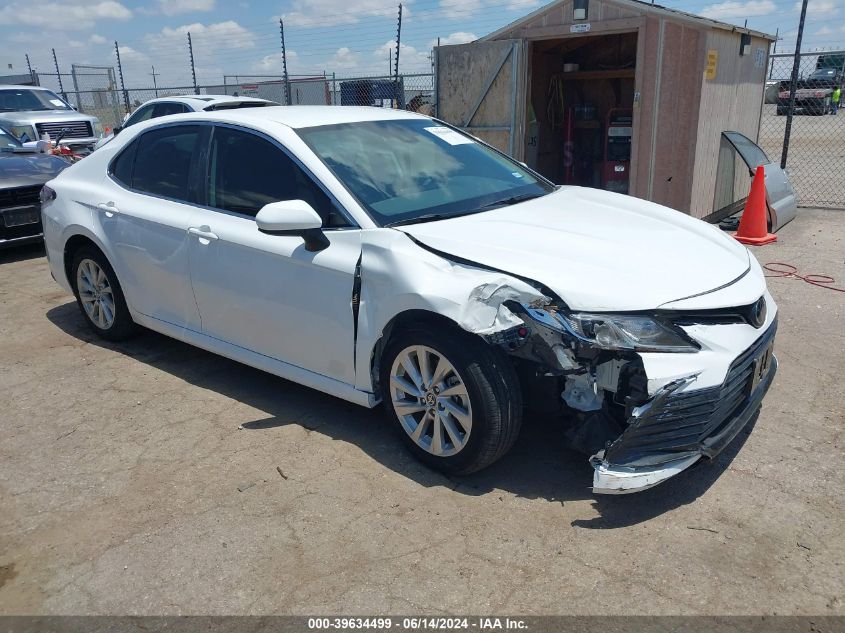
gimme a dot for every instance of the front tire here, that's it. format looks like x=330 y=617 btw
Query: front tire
x=455 y=400
x=99 y=295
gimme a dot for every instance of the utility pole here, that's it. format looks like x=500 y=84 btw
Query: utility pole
x=31 y=74
x=59 y=75
x=120 y=73
x=193 y=70
x=155 y=85
x=288 y=100
x=774 y=52
x=793 y=84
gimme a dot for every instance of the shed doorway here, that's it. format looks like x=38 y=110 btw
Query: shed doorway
x=580 y=110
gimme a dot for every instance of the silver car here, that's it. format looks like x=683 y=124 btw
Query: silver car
x=30 y=112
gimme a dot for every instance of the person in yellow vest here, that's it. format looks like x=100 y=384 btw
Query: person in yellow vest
x=834 y=99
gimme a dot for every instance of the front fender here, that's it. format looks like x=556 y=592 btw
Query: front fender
x=398 y=276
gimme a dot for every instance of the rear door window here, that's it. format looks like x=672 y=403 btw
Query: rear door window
x=163 y=161
x=163 y=109
x=144 y=113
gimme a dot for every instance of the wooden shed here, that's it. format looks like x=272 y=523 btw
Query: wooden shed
x=617 y=94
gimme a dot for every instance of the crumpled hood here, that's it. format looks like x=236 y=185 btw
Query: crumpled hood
x=595 y=249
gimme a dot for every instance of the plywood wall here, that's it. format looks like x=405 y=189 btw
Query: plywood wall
x=730 y=101
x=669 y=110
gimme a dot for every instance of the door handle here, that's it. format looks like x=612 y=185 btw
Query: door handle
x=206 y=235
x=109 y=208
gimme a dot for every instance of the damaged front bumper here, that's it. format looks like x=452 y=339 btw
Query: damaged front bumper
x=678 y=426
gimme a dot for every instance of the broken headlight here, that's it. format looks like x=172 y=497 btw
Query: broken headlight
x=636 y=332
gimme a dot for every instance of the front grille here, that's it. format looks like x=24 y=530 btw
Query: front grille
x=78 y=129
x=684 y=422
x=19 y=196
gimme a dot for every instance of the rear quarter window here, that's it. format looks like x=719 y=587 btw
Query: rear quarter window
x=121 y=167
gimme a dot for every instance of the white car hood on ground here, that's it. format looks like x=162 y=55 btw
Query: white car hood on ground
x=597 y=250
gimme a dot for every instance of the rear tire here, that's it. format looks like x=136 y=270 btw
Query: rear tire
x=99 y=295
x=455 y=401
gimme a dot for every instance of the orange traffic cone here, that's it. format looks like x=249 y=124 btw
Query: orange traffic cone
x=752 y=224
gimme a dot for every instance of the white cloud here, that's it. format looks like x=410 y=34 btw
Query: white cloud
x=324 y=13
x=460 y=37
x=208 y=38
x=453 y=9
x=343 y=59
x=177 y=7
x=272 y=64
x=737 y=9
x=129 y=54
x=521 y=5
x=97 y=39
x=68 y=15
x=410 y=59
x=819 y=8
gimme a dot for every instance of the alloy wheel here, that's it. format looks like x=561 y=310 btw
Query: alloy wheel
x=431 y=400
x=95 y=293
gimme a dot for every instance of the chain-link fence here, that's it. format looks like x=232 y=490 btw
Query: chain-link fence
x=92 y=93
x=816 y=144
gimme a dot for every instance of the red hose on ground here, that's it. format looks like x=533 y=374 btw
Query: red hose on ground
x=788 y=270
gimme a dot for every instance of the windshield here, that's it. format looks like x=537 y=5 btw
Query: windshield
x=404 y=170
x=25 y=100
x=7 y=141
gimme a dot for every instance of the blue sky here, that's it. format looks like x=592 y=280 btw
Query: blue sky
x=348 y=37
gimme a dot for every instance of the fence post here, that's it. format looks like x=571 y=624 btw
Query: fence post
x=193 y=70
x=793 y=86
x=76 y=87
x=284 y=63
x=399 y=103
x=334 y=89
x=31 y=74
x=120 y=72
x=59 y=76
x=435 y=80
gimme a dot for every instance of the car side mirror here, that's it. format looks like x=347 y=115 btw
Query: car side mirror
x=116 y=130
x=42 y=147
x=293 y=217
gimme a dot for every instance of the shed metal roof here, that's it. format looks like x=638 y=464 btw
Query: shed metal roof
x=634 y=5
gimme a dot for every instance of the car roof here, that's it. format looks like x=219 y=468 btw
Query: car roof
x=6 y=86
x=204 y=101
x=307 y=116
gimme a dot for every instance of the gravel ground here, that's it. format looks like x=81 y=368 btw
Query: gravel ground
x=153 y=478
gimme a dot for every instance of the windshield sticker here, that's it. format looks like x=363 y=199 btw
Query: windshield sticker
x=449 y=135
x=57 y=102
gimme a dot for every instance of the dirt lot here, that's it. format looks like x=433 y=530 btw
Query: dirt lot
x=128 y=486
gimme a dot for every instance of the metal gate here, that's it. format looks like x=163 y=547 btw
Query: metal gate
x=816 y=144
x=477 y=86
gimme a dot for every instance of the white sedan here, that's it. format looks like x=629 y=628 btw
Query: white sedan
x=383 y=256
x=164 y=106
